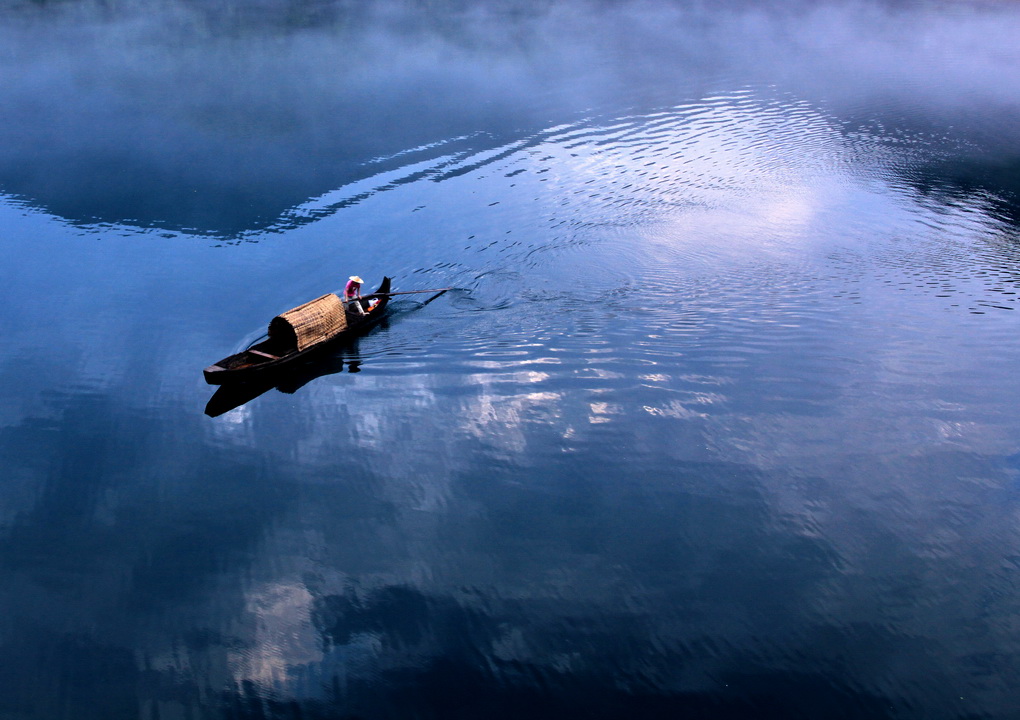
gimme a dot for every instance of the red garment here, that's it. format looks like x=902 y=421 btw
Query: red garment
x=352 y=290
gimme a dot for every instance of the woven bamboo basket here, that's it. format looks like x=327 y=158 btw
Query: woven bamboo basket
x=310 y=323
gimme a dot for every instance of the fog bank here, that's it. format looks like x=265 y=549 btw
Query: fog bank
x=219 y=116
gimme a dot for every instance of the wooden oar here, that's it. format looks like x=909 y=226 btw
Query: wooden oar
x=404 y=292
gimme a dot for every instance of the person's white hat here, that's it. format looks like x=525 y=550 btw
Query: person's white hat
x=356 y=279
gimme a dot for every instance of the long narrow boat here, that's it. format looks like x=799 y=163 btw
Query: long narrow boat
x=298 y=333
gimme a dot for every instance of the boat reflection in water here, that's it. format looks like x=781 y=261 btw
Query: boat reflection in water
x=290 y=379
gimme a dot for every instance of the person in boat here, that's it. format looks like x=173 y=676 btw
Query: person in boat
x=352 y=294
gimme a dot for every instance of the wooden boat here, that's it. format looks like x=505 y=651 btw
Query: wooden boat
x=298 y=333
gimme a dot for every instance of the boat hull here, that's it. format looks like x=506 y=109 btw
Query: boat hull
x=263 y=359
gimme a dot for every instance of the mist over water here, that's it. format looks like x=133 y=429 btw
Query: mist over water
x=218 y=117
x=719 y=420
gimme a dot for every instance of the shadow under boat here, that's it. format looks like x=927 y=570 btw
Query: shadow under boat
x=290 y=379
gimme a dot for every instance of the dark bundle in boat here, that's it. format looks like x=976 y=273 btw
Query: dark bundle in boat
x=298 y=332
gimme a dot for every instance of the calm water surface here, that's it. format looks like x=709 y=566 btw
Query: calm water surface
x=719 y=422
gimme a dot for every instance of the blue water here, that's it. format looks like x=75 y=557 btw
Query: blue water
x=719 y=420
